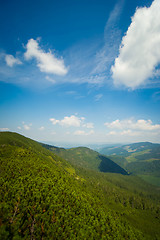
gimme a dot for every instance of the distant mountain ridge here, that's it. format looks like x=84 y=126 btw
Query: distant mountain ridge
x=142 y=159
x=127 y=150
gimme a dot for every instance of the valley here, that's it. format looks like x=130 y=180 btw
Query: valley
x=141 y=159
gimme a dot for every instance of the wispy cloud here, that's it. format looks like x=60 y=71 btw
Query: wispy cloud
x=112 y=35
x=90 y=62
x=156 y=96
x=98 y=97
x=46 y=61
x=11 y=60
x=50 y=79
x=139 y=52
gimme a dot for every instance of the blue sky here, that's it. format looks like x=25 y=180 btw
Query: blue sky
x=80 y=72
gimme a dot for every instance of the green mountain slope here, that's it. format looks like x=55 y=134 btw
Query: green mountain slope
x=87 y=158
x=43 y=197
x=141 y=159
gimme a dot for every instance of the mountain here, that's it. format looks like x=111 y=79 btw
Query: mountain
x=87 y=158
x=43 y=197
x=149 y=149
x=142 y=159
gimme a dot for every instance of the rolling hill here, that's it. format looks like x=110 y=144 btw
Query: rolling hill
x=87 y=158
x=43 y=196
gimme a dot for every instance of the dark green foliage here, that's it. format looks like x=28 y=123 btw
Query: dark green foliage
x=142 y=167
x=44 y=197
x=108 y=165
x=120 y=160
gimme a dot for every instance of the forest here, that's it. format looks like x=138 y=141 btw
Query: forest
x=46 y=195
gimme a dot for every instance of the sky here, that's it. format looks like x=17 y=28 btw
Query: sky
x=80 y=71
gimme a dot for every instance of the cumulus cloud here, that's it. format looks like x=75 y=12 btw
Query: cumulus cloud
x=139 y=53
x=54 y=121
x=46 y=61
x=83 y=133
x=11 y=60
x=26 y=126
x=141 y=124
x=72 y=121
x=132 y=130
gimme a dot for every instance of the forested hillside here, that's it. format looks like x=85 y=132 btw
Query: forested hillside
x=44 y=197
x=87 y=158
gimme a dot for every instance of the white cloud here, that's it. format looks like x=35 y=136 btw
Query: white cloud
x=112 y=133
x=50 y=79
x=26 y=126
x=139 y=53
x=41 y=128
x=19 y=127
x=129 y=130
x=146 y=125
x=11 y=60
x=72 y=121
x=68 y=121
x=141 y=125
x=129 y=133
x=54 y=121
x=4 y=129
x=83 y=133
x=46 y=61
